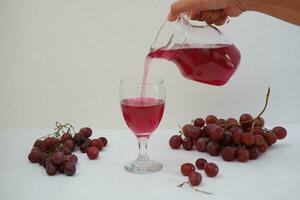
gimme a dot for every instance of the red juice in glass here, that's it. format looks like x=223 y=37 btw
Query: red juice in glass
x=142 y=115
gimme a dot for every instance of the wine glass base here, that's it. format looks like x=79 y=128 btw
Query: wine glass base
x=143 y=166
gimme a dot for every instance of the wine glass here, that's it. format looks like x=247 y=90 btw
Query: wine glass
x=142 y=106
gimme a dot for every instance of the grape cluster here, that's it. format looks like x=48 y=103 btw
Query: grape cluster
x=244 y=139
x=195 y=178
x=55 y=151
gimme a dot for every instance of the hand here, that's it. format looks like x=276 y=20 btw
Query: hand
x=210 y=11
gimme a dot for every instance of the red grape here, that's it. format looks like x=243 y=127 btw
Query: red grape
x=34 y=156
x=213 y=148
x=248 y=139
x=86 y=131
x=260 y=122
x=187 y=144
x=207 y=129
x=69 y=169
x=270 y=138
x=84 y=146
x=49 y=142
x=258 y=130
x=228 y=153
x=200 y=163
x=79 y=139
x=211 y=119
x=199 y=122
x=217 y=134
x=51 y=169
x=220 y=122
x=211 y=169
x=231 y=122
x=69 y=144
x=228 y=139
x=263 y=148
x=97 y=143
x=65 y=137
x=71 y=159
x=58 y=158
x=201 y=144
x=253 y=152
x=195 y=178
x=259 y=140
x=104 y=140
x=242 y=155
x=246 y=120
x=191 y=131
x=280 y=132
x=175 y=141
x=187 y=168
x=39 y=143
x=92 y=152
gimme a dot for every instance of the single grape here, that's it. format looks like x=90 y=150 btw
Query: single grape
x=270 y=138
x=232 y=122
x=258 y=130
x=248 y=139
x=187 y=144
x=220 y=121
x=97 y=143
x=34 y=156
x=85 y=146
x=213 y=148
x=187 y=168
x=69 y=169
x=246 y=120
x=211 y=169
x=201 y=144
x=92 y=152
x=50 y=142
x=104 y=140
x=175 y=141
x=207 y=129
x=228 y=153
x=65 y=137
x=79 y=139
x=211 y=119
x=191 y=131
x=259 y=140
x=199 y=122
x=86 y=132
x=200 y=163
x=70 y=144
x=195 y=178
x=227 y=139
x=58 y=158
x=51 y=169
x=260 y=122
x=217 y=134
x=237 y=134
x=39 y=143
x=280 y=132
x=47 y=160
x=253 y=152
x=71 y=159
x=263 y=148
x=242 y=155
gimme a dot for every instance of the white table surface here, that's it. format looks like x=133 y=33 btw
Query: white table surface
x=274 y=175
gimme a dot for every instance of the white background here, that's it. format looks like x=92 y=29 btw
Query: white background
x=62 y=61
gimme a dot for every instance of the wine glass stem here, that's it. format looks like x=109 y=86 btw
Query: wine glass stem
x=143 y=141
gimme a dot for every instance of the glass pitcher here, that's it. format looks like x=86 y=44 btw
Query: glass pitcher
x=202 y=53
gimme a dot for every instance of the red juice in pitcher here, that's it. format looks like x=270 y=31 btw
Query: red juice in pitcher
x=212 y=65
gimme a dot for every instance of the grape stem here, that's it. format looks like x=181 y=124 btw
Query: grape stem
x=196 y=189
x=252 y=120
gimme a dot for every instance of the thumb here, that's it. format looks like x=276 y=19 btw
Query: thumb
x=181 y=6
